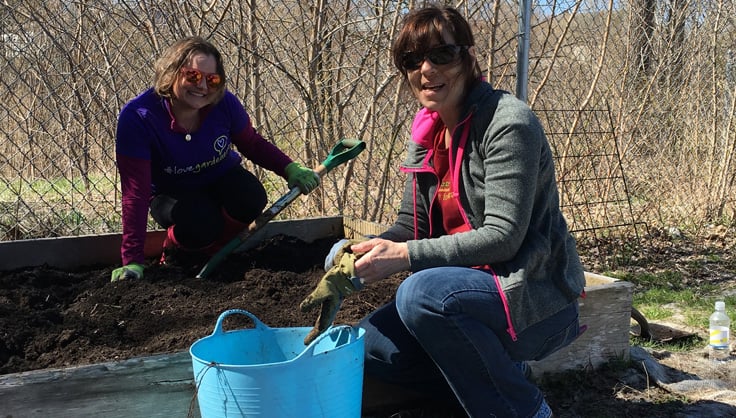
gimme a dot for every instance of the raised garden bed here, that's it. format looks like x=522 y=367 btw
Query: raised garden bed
x=74 y=344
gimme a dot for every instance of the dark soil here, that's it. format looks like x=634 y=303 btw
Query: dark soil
x=53 y=319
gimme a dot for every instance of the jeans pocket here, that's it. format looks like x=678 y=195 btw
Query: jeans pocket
x=557 y=341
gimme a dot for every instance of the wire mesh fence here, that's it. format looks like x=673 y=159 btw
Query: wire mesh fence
x=312 y=73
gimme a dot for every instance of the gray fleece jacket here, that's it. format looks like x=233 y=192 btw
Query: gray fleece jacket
x=503 y=170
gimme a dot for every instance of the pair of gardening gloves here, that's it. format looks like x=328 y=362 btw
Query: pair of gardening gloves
x=339 y=282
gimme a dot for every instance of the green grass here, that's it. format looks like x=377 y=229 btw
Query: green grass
x=679 y=345
x=42 y=189
x=666 y=296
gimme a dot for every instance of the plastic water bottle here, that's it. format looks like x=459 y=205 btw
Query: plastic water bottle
x=720 y=331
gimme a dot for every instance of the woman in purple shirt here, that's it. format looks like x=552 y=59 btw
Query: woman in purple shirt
x=174 y=151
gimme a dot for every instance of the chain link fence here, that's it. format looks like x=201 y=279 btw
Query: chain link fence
x=313 y=73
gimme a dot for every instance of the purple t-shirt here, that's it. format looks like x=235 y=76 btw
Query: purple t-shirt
x=153 y=155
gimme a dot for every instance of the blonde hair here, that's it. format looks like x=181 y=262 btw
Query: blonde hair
x=179 y=54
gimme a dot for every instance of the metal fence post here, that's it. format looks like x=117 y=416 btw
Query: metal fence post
x=522 y=52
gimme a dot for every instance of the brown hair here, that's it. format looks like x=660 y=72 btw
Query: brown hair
x=179 y=54
x=426 y=26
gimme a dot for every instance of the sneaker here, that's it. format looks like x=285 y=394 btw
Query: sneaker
x=182 y=257
x=173 y=253
x=170 y=255
x=170 y=248
x=544 y=411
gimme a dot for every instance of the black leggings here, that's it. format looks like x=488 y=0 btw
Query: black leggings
x=198 y=213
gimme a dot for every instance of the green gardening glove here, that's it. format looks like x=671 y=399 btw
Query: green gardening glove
x=127 y=272
x=335 y=285
x=304 y=178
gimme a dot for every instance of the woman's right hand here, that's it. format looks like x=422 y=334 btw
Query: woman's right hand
x=381 y=259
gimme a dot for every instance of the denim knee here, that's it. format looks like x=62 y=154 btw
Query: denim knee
x=409 y=304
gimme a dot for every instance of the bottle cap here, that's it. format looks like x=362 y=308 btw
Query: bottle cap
x=720 y=305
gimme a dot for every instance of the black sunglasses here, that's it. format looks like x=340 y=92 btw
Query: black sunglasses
x=439 y=55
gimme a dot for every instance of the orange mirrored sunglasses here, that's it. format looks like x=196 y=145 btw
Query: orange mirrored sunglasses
x=194 y=76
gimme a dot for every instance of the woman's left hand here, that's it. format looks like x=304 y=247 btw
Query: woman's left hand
x=381 y=258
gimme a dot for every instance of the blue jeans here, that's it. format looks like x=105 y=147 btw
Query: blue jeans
x=445 y=334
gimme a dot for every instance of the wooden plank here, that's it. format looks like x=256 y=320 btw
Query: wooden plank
x=70 y=252
x=355 y=228
x=307 y=229
x=156 y=386
x=104 y=249
x=606 y=311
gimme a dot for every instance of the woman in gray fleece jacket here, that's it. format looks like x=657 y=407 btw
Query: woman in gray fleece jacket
x=495 y=272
